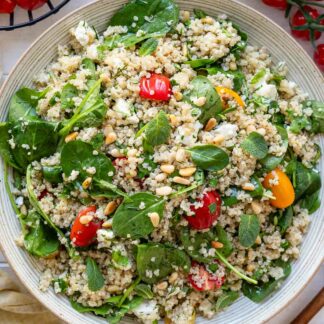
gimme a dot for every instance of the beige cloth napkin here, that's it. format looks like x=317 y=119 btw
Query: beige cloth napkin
x=17 y=307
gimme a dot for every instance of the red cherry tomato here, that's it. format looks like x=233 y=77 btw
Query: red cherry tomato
x=43 y=194
x=202 y=280
x=7 y=6
x=298 y=19
x=30 y=4
x=84 y=235
x=319 y=56
x=280 y=4
x=156 y=87
x=208 y=213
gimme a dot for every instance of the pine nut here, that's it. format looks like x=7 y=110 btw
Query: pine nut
x=258 y=240
x=182 y=181
x=250 y=267
x=108 y=129
x=210 y=124
x=250 y=129
x=173 y=277
x=199 y=101
x=167 y=168
x=110 y=208
x=185 y=15
x=207 y=20
x=111 y=138
x=116 y=153
x=256 y=207
x=261 y=131
x=187 y=172
x=86 y=219
x=217 y=245
x=163 y=191
x=173 y=120
x=178 y=95
x=86 y=183
x=23 y=210
x=71 y=137
x=218 y=139
x=107 y=223
x=155 y=219
x=162 y=285
x=248 y=186
x=180 y=155
x=160 y=177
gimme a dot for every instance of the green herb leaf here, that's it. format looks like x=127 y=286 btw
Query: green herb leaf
x=95 y=278
x=311 y=202
x=258 y=76
x=69 y=91
x=199 y=13
x=131 y=219
x=144 y=291
x=232 y=199
x=156 y=261
x=258 y=188
x=52 y=174
x=286 y=219
x=120 y=261
x=255 y=145
x=148 y=47
x=209 y=157
x=249 y=229
x=148 y=166
x=61 y=283
x=226 y=299
x=195 y=64
x=101 y=310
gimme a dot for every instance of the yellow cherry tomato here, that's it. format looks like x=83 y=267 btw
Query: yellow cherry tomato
x=224 y=93
x=281 y=187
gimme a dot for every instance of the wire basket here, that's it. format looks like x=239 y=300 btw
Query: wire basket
x=52 y=9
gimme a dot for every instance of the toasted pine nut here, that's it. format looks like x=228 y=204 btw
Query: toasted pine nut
x=163 y=191
x=210 y=124
x=261 y=131
x=111 y=138
x=217 y=245
x=181 y=181
x=185 y=15
x=250 y=267
x=207 y=20
x=86 y=183
x=110 y=208
x=116 y=153
x=107 y=223
x=256 y=207
x=178 y=95
x=162 y=285
x=23 y=210
x=250 y=128
x=160 y=177
x=199 y=101
x=187 y=172
x=155 y=219
x=108 y=129
x=173 y=277
x=258 y=240
x=167 y=168
x=86 y=219
x=173 y=120
x=248 y=186
x=71 y=137
x=132 y=153
x=218 y=139
x=180 y=155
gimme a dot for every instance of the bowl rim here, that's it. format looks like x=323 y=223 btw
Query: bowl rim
x=60 y=315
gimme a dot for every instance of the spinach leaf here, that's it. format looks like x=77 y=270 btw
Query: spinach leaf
x=148 y=166
x=232 y=199
x=239 y=47
x=23 y=104
x=258 y=191
x=69 y=91
x=33 y=140
x=144 y=291
x=61 y=283
x=198 y=63
x=199 y=13
x=258 y=76
x=258 y=293
x=255 y=145
x=209 y=157
x=95 y=278
x=35 y=203
x=148 y=47
x=286 y=219
x=156 y=261
x=200 y=86
x=222 y=237
x=101 y=310
x=52 y=174
x=311 y=202
x=88 y=64
x=155 y=18
x=120 y=261
x=131 y=219
x=249 y=229
x=317 y=117
x=5 y=149
x=226 y=299
x=39 y=239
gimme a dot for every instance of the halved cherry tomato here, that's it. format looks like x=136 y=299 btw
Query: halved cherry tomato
x=319 y=56
x=7 y=6
x=280 y=4
x=206 y=215
x=84 y=235
x=298 y=19
x=156 y=87
x=227 y=94
x=281 y=187
x=202 y=280
x=30 y=4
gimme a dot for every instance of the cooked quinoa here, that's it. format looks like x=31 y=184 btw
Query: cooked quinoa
x=163 y=173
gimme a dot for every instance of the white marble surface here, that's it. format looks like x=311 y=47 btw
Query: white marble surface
x=14 y=43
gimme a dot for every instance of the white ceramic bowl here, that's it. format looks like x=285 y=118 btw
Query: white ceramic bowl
x=262 y=32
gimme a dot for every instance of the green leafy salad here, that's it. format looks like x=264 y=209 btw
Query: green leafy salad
x=163 y=167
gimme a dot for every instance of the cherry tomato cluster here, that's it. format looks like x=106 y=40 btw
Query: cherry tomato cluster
x=8 y=6
x=306 y=23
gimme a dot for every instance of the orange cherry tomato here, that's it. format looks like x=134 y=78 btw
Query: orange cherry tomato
x=281 y=187
x=225 y=93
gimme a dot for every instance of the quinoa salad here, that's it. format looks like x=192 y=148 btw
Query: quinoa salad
x=163 y=168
